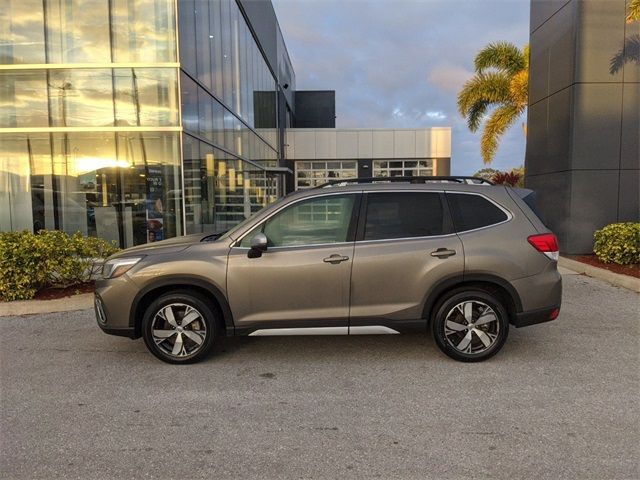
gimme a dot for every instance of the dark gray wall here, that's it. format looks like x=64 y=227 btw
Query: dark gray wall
x=583 y=156
x=315 y=109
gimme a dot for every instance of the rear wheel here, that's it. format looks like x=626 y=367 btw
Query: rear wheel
x=179 y=327
x=470 y=325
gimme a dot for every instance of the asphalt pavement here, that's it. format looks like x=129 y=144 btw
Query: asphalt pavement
x=560 y=401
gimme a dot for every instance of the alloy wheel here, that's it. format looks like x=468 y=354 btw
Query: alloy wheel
x=471 y=327
x=179 y=330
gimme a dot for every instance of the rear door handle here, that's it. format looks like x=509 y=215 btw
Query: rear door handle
x=335 y=259
x=443 y=253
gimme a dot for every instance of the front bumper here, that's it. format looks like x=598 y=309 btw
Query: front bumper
x=103 y=320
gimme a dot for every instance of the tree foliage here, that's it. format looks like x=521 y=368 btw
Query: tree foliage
x=497 y=94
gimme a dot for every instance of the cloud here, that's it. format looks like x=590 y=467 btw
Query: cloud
x=450 y=78
x=400 y=63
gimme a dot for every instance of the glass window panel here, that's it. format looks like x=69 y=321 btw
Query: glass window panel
x=194 y=180
x=187 y=30
x=203 y=41
x=78 y=31
x=146 y=96
x=124 y=187
x=81 y=97
x=235 y=58
x=23 y=99
x=189 y=99
x=144 y=31
x=403 y=215
x=215 y=32
x=218 y=122
x=227 y=71
x=243 y=38
x=316 y=221
x=205 y=114
x=228 y=130
x=22 y=32
x=473 y=211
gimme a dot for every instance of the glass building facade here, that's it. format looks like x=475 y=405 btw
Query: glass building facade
x=133 y=120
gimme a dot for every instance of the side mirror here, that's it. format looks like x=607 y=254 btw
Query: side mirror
x=258 y=245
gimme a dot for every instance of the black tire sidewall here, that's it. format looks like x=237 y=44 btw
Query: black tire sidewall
x=451 y=301
x=193 y=300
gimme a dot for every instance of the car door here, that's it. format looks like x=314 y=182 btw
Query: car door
x=405 y=245
x=303 y=278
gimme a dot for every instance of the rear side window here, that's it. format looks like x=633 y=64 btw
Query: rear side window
x=471 y=211
x=403 y=215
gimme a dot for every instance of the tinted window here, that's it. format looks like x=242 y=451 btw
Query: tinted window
x=473 y=211
x=403 y=215
x=316 y=221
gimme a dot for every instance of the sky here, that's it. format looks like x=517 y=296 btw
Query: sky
x=401 y=63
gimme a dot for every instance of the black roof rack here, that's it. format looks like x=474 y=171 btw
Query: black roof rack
x=408 y=179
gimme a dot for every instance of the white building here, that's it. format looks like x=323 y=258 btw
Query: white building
x=324 y=154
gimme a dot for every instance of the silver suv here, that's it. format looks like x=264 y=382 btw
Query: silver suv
x=453 y=255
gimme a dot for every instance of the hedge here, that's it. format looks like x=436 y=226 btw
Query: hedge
x=30 y=262
x=618 y=243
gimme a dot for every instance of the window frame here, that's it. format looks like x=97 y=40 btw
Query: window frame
x=490 y=200
x=351 y=231
x=448 y=228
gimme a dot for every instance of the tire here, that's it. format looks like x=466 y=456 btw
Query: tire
x=482 y=340
x=166 y=335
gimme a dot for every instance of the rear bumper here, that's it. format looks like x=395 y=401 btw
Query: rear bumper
x=533 y=317
x=541 y=296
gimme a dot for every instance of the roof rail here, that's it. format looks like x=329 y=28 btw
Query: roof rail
x=409 y=179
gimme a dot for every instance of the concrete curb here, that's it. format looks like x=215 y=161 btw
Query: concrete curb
x=617 y=279
x=32 y=307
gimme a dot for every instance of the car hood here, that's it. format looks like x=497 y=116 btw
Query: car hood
x=171 y=245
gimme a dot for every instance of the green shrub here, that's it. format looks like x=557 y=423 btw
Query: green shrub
x=618 y=243
x=30 y=262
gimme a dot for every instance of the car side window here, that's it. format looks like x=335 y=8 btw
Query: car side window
x=470 y=211
x=403 y=215
x=316 y=221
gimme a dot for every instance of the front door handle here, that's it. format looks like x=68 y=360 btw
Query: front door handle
x=335 y=259
x=443 y=253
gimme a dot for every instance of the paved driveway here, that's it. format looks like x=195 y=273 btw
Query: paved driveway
x=560 y=401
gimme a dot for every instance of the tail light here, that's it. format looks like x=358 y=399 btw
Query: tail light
x=546 y=243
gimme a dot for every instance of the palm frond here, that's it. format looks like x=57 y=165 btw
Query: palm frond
x=483 y=89
x=499 y=121
x=519 y=87
x=503 y=56
x=475 y=115
x=633 y=11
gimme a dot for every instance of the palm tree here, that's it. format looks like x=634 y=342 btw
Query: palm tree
x=501 y=83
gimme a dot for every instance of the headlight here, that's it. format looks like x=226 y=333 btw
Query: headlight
x=116 y=267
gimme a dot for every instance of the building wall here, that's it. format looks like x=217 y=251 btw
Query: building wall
x=315 y=109
x=89 y=118
x=229 y=95
x=583 y=155
x=137 y=121
x=369 y=152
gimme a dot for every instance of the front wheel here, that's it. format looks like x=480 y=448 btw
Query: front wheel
x=179 y=327
x=470 y=325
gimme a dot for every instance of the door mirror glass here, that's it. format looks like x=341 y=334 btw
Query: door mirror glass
x=259 y=242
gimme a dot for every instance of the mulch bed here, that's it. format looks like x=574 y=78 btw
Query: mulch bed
x=52 y=293
x=631 y=270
